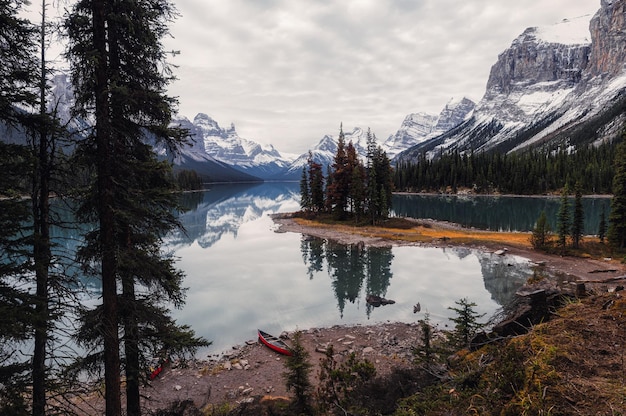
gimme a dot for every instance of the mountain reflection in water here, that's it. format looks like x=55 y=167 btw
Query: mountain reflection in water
x=242 y=275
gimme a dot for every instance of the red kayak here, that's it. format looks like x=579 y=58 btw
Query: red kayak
x=274 y=343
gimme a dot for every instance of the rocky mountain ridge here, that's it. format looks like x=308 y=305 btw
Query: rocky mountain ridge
x=557 y=87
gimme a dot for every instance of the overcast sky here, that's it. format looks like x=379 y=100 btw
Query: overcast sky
x=287 y=72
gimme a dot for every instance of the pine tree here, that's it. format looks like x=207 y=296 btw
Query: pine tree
x=339 y=179
x=15 y=301
x=540 y=237
x=17 y=54
x=316 y=185
x=563 y=220
x=617 y=216
x=119 y=70
x=602 y=227
x=297 y=374
x=465 y=323
x=305 y=193
x=578 y=221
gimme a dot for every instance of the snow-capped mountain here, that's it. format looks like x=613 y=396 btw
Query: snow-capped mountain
x=416 y=128
x=419 y=127
x=225 y=145
x=558 y=86
x=324 y=153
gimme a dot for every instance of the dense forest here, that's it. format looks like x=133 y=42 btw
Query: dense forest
x=530 y=172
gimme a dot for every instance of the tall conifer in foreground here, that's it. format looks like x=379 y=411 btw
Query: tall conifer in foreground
x=17 y=57
x=119 y=71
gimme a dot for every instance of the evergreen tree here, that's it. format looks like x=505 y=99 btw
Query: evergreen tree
x=119 y=71
x=316 y=185
x=617 y=216
x=563 y=220
x=297 y=375
x=15 y=300
x=466 y=323
x=602 y=227
x=379 y=180
x=17 y=54
x=339 y=179
x=305 y=193
x=578 y=220
x=540 y=237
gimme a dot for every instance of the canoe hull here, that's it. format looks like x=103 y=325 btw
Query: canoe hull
x=274 y=343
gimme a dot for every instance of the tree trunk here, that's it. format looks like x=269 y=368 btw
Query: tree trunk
x=106 y=214
x=41 y=245
x=131 y=349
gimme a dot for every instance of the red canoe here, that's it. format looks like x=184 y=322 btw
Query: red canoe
x=274 y=343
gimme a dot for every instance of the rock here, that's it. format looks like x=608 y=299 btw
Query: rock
x=177 y=387
x=227 y=365
x=377 y=301
x=246 y=392
x=368 y=350
x=237 y=366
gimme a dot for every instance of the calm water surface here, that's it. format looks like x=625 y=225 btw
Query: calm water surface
x=243 y=275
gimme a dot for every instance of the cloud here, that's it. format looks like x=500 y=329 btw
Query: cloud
x=287 y=72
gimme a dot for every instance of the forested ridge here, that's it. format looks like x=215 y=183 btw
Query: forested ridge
x=530 y=172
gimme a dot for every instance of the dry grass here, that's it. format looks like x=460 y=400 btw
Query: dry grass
x=411 y=231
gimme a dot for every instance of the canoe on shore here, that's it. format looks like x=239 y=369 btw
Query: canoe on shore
x=274 y=343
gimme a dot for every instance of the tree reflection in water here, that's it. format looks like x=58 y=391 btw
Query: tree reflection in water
x=351 y=268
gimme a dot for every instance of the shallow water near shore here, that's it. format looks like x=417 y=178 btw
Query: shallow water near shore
x=243 y=275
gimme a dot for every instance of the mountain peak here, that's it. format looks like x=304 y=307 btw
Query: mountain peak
x=573 y=31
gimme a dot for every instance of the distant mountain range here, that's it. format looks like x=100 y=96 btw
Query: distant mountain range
x=560 y=86
x=266 y=163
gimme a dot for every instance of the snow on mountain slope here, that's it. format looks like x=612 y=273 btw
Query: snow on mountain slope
x=226 y=146
x=546 y=87
x=419 y=127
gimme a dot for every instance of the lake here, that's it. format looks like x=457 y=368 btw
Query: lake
x=243 y=275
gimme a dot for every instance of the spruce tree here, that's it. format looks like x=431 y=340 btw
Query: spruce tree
x=297 y=374
x=17 y=54
x=617 y=217
x=316 y=185
x=339 y=179
x=540 y=237
x=602 y=227
x=119 y=71
x=578 y=220
x=466 y=323
x=305 y=193
x=563 y=220
x=15 y=300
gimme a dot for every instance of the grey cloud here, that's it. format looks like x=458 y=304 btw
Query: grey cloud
x=289 y=71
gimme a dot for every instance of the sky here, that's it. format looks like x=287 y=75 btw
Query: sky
x=288 y=72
